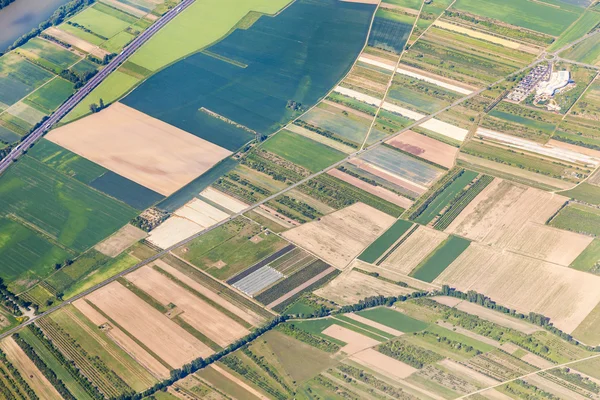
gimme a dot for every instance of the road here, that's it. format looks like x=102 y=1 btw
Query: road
x=91 y=84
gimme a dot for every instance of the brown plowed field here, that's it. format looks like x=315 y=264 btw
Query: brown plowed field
x=422 y=146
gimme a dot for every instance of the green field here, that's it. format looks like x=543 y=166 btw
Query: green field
x=302 y=151
x=81 y=34
x=440 y=259
x=394 y=319
x=116 y=43
x=25 y=255
x=50 y=96
x=584 y=192
x=586 y=23
x=578 y=218
x=200 y=25
x=48 y=54
x=99 y=22
x=589 y=259
x=383 y=242
x=444 y=198
x=64 y=208
x=230 y=243
x=113 y=87
x=534 y=15
x=587 y=51
x=19 y=77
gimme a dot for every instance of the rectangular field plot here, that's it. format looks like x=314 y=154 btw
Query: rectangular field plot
x=18 y=78
x=103 y=21
x=48 y=54
x=339 y=237
x=424 y=147
x=385 y=241
x=230 y=248
x=394 y=319
x=257 y=96
x=431 y=267
x=578 y=218
x=525 y=283
x=51 y=95
x=258 y=280
x=390 y=30
x=129 y=192
x=65 y=209
x=586 y=51
x=166 y=158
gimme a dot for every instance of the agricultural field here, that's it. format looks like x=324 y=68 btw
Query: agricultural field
x=391 y=29
x=578 y=218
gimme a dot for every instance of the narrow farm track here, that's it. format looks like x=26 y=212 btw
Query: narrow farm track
x=91 y=84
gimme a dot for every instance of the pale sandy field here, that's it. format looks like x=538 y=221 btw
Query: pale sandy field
x=247 y=315
x=434 y=81
x=164 y=337
x=341 y=236
x=462 y=370
x=75 y=41
x=238 y=381
x=120 y=240
x=378 y=191
x=490 y=315
x=123 y=341
x=30 y=373
x=377 y=61
x=374 y=324
x=125 y=7
x=224 y=200
x=565 y=295
x=321 y=139
x=395 y=276
x=350 y=286
x=414 y=250
x=211 y=322
x=446 y=129
x=165 y=157
x=186 y=221
x=355 y=342
x=425 y=147
x=558 y=390
x=537 y=361
x=388 y=176
x=493 y=394
x=383 y=364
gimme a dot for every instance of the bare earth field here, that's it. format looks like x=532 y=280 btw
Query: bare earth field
x=350 y=286
x=238 y=381
x=425 y=147
x=565 y=295
x=121 y=240
x=388 y=176
x=374 y=324
x=186 y=221
x=165 y=157
x=231 y=203
x=355 y=341
x=246 y=315
x=383 y=364
x=30 y=373
x=414 y=249
x=463 y=370
x=156 y=331
x=75 y=41
x=125 y=342
x=374 y=190
x=339 y=237
x=217 y=326
x=395 y=275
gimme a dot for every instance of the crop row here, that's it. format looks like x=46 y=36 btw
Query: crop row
x=250 y=374
x=461 y=201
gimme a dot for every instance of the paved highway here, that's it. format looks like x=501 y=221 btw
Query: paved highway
x=91 y=84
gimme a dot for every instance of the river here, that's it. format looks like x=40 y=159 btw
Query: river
x=22 y=16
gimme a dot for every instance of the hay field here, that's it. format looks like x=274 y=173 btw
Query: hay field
x=157 y=332
x=231 y=203
x=29 y=372
x=355 y=342
x=565 y=295
x=120 y=240
x=125 y=342
x=75 y=42
x=351 y=286
x=165 y=157
x=414 y=250
x=339 y=237
x=425 y=147
x=383 y=364
x=202 y=316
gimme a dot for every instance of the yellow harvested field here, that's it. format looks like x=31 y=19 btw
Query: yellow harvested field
x=156 y=331
x=186 y=221
x=75 y=41
x=490 y=315
x=128 y=345
x=471 y=374
x=526 y=284
x=224 y=200
x=120 y=240
x=339 y=237
x=425 y=147
x=355 y=342
x=488 y=38
x=209 y=321
x=374 y=324
x=239 y=382
x=537 y=361
x=321 y=139
x=30 y=373
x=165 y=157
x=247 y=315
x=383 y=364
x=351 y=286
x=548 y=243
x=493 y=394
x=378 y=191
x=414 y=250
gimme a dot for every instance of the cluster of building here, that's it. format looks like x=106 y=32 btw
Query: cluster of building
x=546 y=84
x=541 y=72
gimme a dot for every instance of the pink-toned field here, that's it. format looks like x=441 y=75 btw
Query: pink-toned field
x=144 y=149
x=155 y=330
x=355 y=342
x=425 y=147
x=388 y=176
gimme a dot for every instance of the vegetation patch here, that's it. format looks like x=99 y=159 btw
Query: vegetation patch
x=440 y=259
